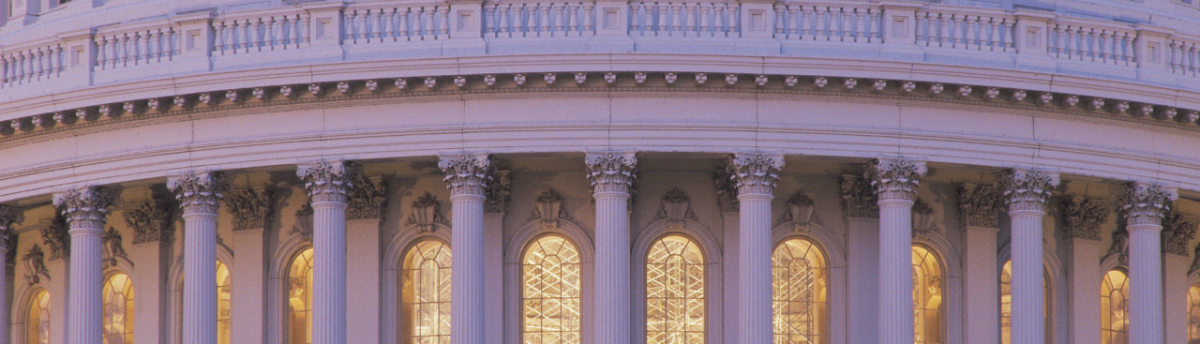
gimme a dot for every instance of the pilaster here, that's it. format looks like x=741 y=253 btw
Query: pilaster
x=153 y=234
x=1143 y=206
x=755 y=175
x=467 y=177
x=328 y=184
x=1082 y=219
x=895 y=182
x=1025 y=192
x=861 y=209
x=8 y=216
x=85 y=209
x=611 y=175
x=1177 y=232
x=1029 y=38
x=364 y=216
x=199 y=196
x=979 y=209
x=251 y=210
x=494 y=209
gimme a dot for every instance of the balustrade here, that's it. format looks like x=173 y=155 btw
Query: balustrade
x=135 y=47
x=539 y=19
x=684 y=19
x=367 y=24
x=250 y=34
x=828 y=23
x=31 y=64
x=1070 y=40
x=1183 y=57
x=987 y=32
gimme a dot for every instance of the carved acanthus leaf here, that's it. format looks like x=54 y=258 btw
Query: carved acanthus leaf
x=8 y=240
x=1195 y=260
x=56 y=237
x=250 y=208
x=1120 y=245
x=151 y=222
x=1177 y=232
x=1145 y=203
x=329 y=181
x=1025 y=189
x=858 y=197
x=895 y=178
x=199 y=192
x=979 y=206
x=467 y=174
x=35 y=265
x=112 y=249
x=676 y=207
x=498 y=192
x=427 y=213
x=611 y=171
x=726 y=190
x=368 y=199
x=85 y=206
x=1082 y=218
x=755 y=173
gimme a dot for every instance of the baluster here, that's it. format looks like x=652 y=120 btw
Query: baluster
x=690 y=17
x=490 y=20
x=730 y=19
x=862 y=25
x=573 y=19
x=285 y=31
x=505 y=10
x=676 y=16
x=242 y=33
x=590 y=18
x=820 y=23
x=804 y=22
x=157 y=45
x=1072 y=41
x=387 y=22
x=993 y=33
x=101 y=58
x=4 y=70
x=558 y=19
x=403 y=23
x=1194 y=58
x=1093 y=41
x=780 y=26
x=1110 y=46
x=847 y=24
x=364 y=25
x=444 y=10
x=544 y=16
x=22 y=74
x=36 y=57
x=873 y=28
x=792 y=24
x=376 y=27
x=427 y=22
x=970 y=32
x=270 y=40
x=663 y=9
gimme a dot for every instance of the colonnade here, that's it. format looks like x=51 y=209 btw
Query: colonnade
x=894 y=181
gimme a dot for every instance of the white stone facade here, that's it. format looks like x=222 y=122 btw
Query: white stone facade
x=344 y=135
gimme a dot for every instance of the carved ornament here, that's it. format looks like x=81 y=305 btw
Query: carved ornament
x=8 y=240
x=250 y=208
x=427 y=213
x=329 y=181
x=755 y=173
x=858 y=197
x=1177 y=232
x=151 y=222
x=35 y=265
x=726 y=190
x=1120 y=246
x=548 y=208
x=199 y=193
x=304 y=222
x=498 y=192
x=467 y=174
x=895 y=178
x=979 y=206
x=1082 y=218
x=1025 y=189
x=800 y=211
x=111 y=247
x=368 y=199
x=1145 y=203
x=85 y=207
x=675 y=208
x=611 y=171
x=57 y=237
x=923 y=222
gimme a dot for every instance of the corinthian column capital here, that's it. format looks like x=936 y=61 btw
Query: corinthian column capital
x=466 y=174
x=895 y=179
x=199 y=192
x=85 y=207
x=328 y=181
x=1146 y=204
x=755 y=173
x=1026 y=189
x=611 y=171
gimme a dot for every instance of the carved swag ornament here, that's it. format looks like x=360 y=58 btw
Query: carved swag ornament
x=676 y=207
x=979 y=206
x=1083 y=217
x=858 y=197
x=467 y=174
x=250 y=208
x=151 y=222
x=894 y=178
x=1177 y=232
x=427 y=213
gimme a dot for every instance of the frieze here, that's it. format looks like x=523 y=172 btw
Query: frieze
x=250 y=208
x=979 y=205
x=1082 y=218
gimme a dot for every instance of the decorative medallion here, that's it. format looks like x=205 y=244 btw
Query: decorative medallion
x=427 y=213
x=676 y=207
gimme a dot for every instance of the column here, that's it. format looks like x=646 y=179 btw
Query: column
x=1144 y=205
x=251 y=210
x=85 y=209
x=611 y=174
x=8 y=215
x=978 y=212
x=327 y=183
x=199 y=195
x=467 y=176
x=1082 y=219
x=755 y=175
x=895 y=182
x=1025 y=192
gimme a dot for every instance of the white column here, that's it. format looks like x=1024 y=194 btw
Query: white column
x=979 y=210
x=199 y=196
x=467 y=177
x=1025 y=192
x=895 y=182
x=327 y=184
x=85 y=209
x=611 y=174
x=1144 y=207
x=755 y=175
x=8 y=215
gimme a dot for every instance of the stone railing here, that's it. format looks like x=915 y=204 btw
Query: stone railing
x=197 y=43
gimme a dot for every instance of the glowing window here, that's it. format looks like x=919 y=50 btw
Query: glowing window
x=425 y=294
x=299 y=323
x=927 y=296
x=1114 y=305
x=1006 y=304
x=118 y=310
x=551 y=292
x=37 y=324
x=674 y=292
x=223 y=304
x=798 y=273
x=1194 y=314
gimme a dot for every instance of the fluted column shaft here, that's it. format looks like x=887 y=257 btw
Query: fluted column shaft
x=467 y=177
x=1144 y=207
x=611 y=174
x=1026 y=192
x=199 y=195
x=327 y=184
x=895 y=182
x=85 y=210
x=756 y=175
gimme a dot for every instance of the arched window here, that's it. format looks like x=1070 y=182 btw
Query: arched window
x=551 y=274
x=37 y=324
x=799 y=273
x=1194 y=314
x=299 y=323
x=118 y=309
x=425 y=294
x=1006 y=305
x=927 y=296
x=223 y=304
x=674 y=291
x=1114 y=305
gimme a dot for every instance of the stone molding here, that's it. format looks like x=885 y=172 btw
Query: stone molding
x=329 y=181
x=250 y=208
x=86 y=206
x=467 y=174
x=1145 y=204
x=611 y=171
x=895 y=178
x=755 y=173
x=367 y=199
x=498 y=192
x=858 y=197
x=1026 y=189
x=199 y=192
x=979 y=205
x=151 y=222
x=726 y=190
x=1082 y=218
x=1178 y=230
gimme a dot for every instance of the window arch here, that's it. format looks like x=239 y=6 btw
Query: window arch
x=299 y=319
x=1114 y=307
x=800 y=283
x=551 y=271
x=1194 y=314
x=674 y=291
x=37 y=321
x=118 y=309
x=1006 y=304
x=927 y=296
x=425 y=293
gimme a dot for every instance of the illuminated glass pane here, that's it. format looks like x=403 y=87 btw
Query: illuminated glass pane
x=674 y=292
x=425 y=294
x=118 y=310
x=223 y=304
x=551 y=271
x=799 y=276
x=1194 y=314
x=1006 y=305
x=37 y=325
x=1114 y=305
x=927 y=296
x=299 y=323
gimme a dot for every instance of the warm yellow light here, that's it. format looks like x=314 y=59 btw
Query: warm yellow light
x=1006 y=305
x=927 y=296
x=224 y=304
x=118 y=310
x=300 y=298
x=674 y=292
x=1194 y=313
x=551 y=293
x=799 y=276
x=425 y=294
x=37 y=324
x=1114 y=307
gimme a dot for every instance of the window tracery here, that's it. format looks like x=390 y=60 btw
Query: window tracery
x=551 y=296
x=800 y=285
x=927 y=296
x=675 y=291
x=37 y=322
x=1114 y=308
x=425 y=294
x=1006 y=305
x=299 y=323
x=118 y=309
